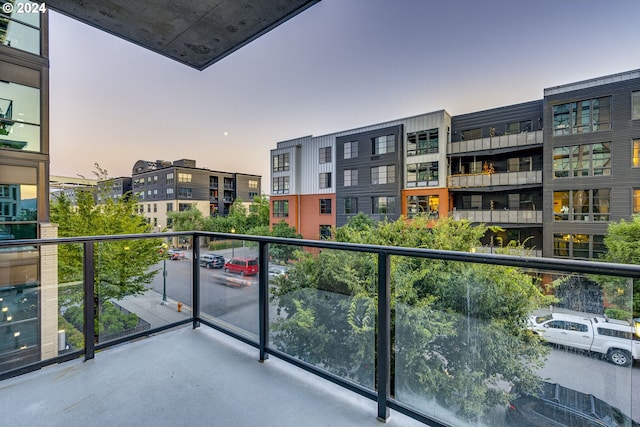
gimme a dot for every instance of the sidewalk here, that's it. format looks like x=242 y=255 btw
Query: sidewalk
x=149 y=307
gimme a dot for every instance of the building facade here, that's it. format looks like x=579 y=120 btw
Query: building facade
x=28 y=283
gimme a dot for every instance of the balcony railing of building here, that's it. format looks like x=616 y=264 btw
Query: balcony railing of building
x=503 y=141
x=381 y=330
x=494 y=179
x=500 y=216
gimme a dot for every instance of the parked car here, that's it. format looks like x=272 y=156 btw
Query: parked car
x=616 y=340
x=242 y=266
x=558 y=406
x=276 y=271
x=175 y=254
x=211 y=260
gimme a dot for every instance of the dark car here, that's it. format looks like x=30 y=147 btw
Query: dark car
x=558 y=406
x=243 y=266
x=211 y=260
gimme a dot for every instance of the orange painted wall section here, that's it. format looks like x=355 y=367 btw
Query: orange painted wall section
x=310 y=217
x=293 y=211
x=442 y=193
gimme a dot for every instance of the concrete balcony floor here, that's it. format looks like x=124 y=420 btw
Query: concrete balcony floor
x=183 y=377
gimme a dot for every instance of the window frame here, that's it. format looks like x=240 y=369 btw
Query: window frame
x=351 y=148
x=280 y=209
x=383 y=144
x=324 y=179
x=350 y=178
x=325 y=207
x=324 y=154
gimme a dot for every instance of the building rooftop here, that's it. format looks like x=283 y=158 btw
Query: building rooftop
x=598 y=81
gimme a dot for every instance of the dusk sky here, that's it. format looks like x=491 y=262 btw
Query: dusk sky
x=339 y=65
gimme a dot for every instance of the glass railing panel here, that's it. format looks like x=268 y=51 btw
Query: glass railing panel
x=467 y=349
x=140 y=285
x=68 y=287
x=325 y=311
x=229 y=274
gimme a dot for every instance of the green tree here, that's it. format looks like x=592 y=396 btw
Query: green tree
x=459 y=329
x=259 y=213
x=122 y=267
x=283 y=253
x=623 y=246
x=188 y=220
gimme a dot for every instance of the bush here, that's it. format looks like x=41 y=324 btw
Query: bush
x=617 y=313
x=74 y=337
x=220 y=244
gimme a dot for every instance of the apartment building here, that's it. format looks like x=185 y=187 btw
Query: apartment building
x=591 y=170
x=28 y=283
x=495 y=176
x=383 y=170
x=164 y=186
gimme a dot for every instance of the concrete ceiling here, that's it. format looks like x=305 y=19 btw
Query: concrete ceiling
x=197 y=33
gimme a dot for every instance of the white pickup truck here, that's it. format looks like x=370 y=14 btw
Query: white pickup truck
x=614 y=339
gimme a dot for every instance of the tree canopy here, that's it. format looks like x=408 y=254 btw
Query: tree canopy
x=458 y=329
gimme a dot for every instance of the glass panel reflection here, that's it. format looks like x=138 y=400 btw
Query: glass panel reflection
x=20 y=36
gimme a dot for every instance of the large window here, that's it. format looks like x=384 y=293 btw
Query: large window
x=18 y=211
x=325 y=206
x=636 y=200
x=185 y=193
x=383 y=205
x=589 y=115
x=423 y=142
x=350 y=177
x=184 y=177
x=469 y=134
x=635 y=105
x=20 y=29
x=635 y=153
x=517 y=127
x=281 y=208
x=383 y=174
x=281 y=185
x=19 y=116
x=383 y=144
x=423 y=205
x=422 y=174
x=325 y=155
x=325 y=180
x=325 y=232
x=582 y=160
x=582 y=205
x=350 y=205
x=350 y=149
x=578 y=246
x=280 y=162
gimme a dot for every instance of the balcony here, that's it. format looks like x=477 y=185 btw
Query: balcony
x=494 y=179
x=497 y=142
x=389 y=354
x=499 y=216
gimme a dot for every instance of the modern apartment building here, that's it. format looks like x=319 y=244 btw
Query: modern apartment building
x=552 y=173
x=164 y=186
x=28 y=284
x=591 y=170
x=383 y=170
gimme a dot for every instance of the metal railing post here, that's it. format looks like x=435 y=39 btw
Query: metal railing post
x=384 y=335
x=89 y=298
x=195 y=268
x=263 y=300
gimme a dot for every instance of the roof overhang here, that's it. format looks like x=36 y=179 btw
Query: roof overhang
x=197 y=33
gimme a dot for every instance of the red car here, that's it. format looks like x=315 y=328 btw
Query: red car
x=243 y=266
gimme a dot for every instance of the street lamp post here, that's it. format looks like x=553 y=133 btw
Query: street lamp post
x=233 y=244
x=164 y=273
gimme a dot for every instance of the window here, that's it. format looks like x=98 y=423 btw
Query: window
x=422 y=174
x=169 y=191
x=281 y=208
x=383 y=205
x=517 y=127
x=155 y=192
x=280 y=162
x=325 y=180
x=149 y=208
x=350 y=205
x=155 y=178
x=19 y=109
x=18 y=207
x=148 y=180
x=350 y=177
x=325 y=155
x=383 y=144
x=169 y=207
x=184 y=207
x=636 y=200
x=350 y=149
x=578 y=246
x=582 y=205
x=155 y=207
x=582 y=160
x=253 y=183
x=325 y=206
x=383 y=174
x=170 y=178
x=184 y=177
x=325 y=232
x=185 y=192
x=589 y=115
x=635 y=155
x=469 y=134
x=635 y=105
x=423 y=205
x=281 y=185
x=155 y=222
x=423 y=142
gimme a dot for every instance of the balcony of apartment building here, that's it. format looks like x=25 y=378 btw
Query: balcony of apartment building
x=347 y=351
x=497 y=142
